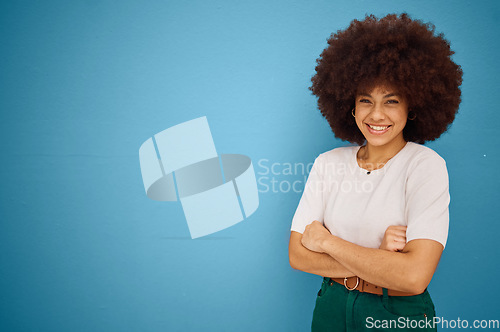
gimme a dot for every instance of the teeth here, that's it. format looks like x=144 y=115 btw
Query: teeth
x=378 y=127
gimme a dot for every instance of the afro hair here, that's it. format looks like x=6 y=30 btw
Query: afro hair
x=394 y=51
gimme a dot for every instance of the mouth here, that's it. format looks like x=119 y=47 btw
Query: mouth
x=377 y=130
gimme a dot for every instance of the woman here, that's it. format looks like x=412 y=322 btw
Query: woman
x=373 y=218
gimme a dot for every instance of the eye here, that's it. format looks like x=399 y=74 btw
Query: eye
x=364 y=100
x=393 y=101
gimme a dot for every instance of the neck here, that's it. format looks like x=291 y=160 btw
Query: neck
x=382 y=153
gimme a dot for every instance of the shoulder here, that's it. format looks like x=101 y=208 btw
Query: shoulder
x=418 y=155
x=336 y=158
x=423 y=163
x=343 y=153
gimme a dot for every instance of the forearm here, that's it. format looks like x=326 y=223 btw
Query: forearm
x=394 y=270
x=309 y=261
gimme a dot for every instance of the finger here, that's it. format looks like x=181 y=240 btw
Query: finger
x=397 y=233
x=403 y=228
x=400 y=237
x=399 y=245
x=397 y=227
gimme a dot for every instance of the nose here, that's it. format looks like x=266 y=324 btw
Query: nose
x=377 y=113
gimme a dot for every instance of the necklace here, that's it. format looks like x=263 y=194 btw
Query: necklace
x=367 y=166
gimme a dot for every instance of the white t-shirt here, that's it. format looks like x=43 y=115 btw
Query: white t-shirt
x=411 y=189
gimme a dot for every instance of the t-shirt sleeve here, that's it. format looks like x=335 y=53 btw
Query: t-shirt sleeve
x=310 y=206
x=427 y=200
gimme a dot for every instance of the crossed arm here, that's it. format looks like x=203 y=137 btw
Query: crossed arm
x=395 y=265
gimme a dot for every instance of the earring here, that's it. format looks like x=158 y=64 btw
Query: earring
x=413 y=117
x=352 y=112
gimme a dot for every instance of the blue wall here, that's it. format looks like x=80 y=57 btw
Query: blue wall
x=85 y=83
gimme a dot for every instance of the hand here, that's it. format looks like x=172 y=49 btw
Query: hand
x=314 y=236
x=394 y=238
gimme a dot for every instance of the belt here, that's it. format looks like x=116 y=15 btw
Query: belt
x=356 y=283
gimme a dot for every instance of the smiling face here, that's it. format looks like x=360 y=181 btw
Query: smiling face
x=381 y=115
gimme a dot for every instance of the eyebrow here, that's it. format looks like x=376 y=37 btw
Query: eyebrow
x=364 y=94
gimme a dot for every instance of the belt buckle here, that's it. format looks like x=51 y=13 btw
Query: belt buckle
x=357 y=283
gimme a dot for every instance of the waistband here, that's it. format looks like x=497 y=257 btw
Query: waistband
x=356 y=283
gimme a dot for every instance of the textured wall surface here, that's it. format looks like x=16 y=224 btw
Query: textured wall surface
x=85 y=83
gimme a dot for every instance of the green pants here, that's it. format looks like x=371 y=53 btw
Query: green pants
x=339 y=309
